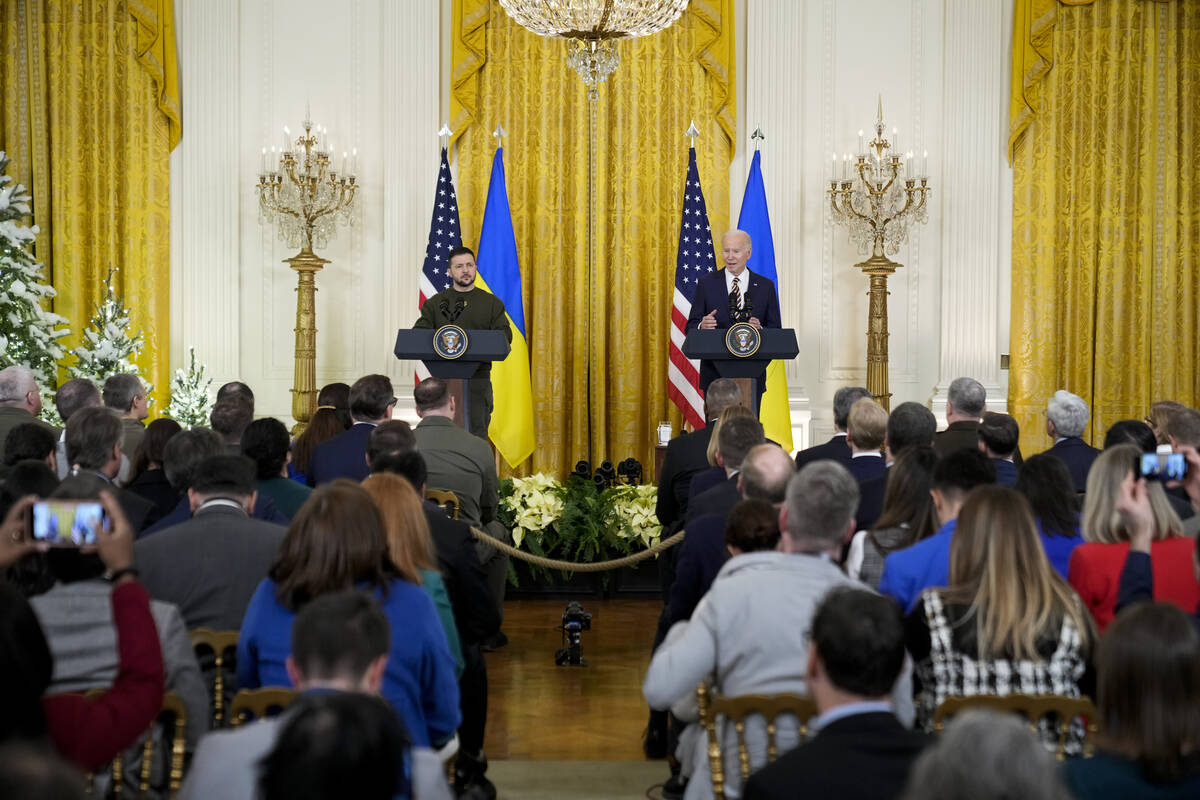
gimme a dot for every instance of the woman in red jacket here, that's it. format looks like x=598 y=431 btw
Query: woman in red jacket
x=92 y=732
x=1095 y=569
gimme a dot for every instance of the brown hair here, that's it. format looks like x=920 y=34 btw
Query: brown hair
x=336 y=541
x=1101 y=522
x=998 y=567
x=408 y=538
x=1148 y=689
x=729 y=413
x=154 y=444
x=324 y=425
x=906 y=500
x=1160 y=417
x=753 y=525
x=867 y=424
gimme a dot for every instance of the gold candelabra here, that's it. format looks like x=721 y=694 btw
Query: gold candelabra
x=306 y=197
x=878 y=198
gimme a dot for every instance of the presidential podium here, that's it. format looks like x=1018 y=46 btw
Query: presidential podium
x=477 y=347
x=715 y=346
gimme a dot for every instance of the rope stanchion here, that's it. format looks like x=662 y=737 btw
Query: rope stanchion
x=571 y=566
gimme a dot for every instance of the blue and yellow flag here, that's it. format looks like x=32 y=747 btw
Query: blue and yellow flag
x=511 y=428
x=774 y=413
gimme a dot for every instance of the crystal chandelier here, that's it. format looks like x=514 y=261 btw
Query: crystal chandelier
x=592 y=28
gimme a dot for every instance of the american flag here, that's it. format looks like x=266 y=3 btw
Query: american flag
x=695 y=257
x=444 y=236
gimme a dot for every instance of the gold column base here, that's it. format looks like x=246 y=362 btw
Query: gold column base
x=304 y=390
x=878 y=267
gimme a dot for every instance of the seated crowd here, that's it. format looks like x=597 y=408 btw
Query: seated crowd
x=878 y=575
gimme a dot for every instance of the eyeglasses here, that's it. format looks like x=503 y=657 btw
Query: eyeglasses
x=394 y=401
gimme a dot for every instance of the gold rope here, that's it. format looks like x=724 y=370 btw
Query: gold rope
x=573 y=566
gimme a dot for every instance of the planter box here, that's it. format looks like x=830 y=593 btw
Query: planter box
x=640 y=579
x=554 y=584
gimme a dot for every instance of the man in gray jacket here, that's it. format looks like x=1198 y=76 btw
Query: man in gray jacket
x=748 y=634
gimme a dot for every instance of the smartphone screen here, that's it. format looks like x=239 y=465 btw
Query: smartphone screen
x=1163 y=466
x=67 y=523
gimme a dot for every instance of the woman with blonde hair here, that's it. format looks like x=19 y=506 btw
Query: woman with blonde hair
x=716 y=473
x=1007 y=622
x=410 y=546
x=1096 y=565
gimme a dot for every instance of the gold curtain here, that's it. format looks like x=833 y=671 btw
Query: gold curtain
x=90 y=114
x=1106 y=209
x=598 y=323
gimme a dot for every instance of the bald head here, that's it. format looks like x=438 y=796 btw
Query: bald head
x=18 y=389
x=765 y=473
x=735 y=251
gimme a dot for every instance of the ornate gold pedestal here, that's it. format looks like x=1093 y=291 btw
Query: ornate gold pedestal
x=878 y=268
x=304 y=390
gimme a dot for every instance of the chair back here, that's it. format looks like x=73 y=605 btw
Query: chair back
x=251 y=704
x=1057 y=711
x=220 y=644
x=447 y=500
x=174 y=712
x=736 y=710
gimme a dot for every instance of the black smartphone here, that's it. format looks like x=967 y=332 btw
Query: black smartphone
x=66 y=523
x=1163 y=466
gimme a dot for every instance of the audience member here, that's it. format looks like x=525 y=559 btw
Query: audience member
x=340 y=643
x=1047 y=485
x=1159 y=416
x=344 y=456
x=909 y=515
x=236 y=389
x=35 y=772
x=1066 y=421
x=394 y=437
x=909 y=424
x=1131 y=431
x=748 y=629
x=27 y=478
x=331 y=417
x=87 y=731
x=337 y=542
x=966 y=400
x=736 y=437
x=1148 y=701
x=999 y=435
x=685 y=454
x=125 y=394
x=94 y=447
x=753 y=527
x=908 y=572
x=1096 y=565
x=210 y=565
x=149 y=477
x=706 y=479
x=20 y=400
x=229 y=419
x=1007 y=622
x=30 y=441
x=860 y=749
x=265 y=442
x=1183 y=434
x=73 y=395
x=411 y=548
x=836 y=448
x=865 y=433
x=985 y=755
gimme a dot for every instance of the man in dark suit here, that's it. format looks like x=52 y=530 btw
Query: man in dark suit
x=733 y=288
x=94 y=437
x=908 y=424
x=344 y=456
x=859 y=749
x=865 y=432
x=966 y=400
x=836 y=448
x=998 y=435
x=210 y=565
x=737 y=437
x=20 y=400
x=1066 y=420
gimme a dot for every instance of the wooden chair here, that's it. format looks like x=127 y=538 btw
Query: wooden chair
x=220 y=643
x=259 y=703
x=447 y=500
x=737 y=710
x=1034 y=707
x=172 y=708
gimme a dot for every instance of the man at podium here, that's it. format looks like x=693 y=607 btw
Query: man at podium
x=733 y=294
x=471 y=308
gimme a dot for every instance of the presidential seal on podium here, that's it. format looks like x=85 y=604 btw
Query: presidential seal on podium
x=742 y=340
x=449 y=341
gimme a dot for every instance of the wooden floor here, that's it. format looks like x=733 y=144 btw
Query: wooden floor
x=539 y=711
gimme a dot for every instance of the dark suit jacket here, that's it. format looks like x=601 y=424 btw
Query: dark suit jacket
x=210 y=565
x=718 y=500
x=961 y=435
x=706 y=479
x=475 y=612
x=686 y=455
x=1006 y=472
x=264 y=509
x=870 y=502
x=152 y=485
x=700 y=558
x=1078 y=455
x=343 y=456
x=711 y=295
x=835 y=449
x=865 y=756
x=867 y=468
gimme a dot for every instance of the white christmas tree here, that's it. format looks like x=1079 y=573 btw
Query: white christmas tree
x=108 y=346
x=29 y=333
x=190 y=405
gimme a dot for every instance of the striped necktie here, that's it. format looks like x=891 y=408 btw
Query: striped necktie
x=737 y=293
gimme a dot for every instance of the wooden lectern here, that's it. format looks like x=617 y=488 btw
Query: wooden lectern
x=777 y=344
x=416 y=344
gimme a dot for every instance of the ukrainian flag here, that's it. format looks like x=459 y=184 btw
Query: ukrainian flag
x=775 y=413
x=511 y=429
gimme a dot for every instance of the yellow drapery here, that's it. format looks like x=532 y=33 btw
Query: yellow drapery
x=1106 y=209
x=598 y=335
x=90 y=114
